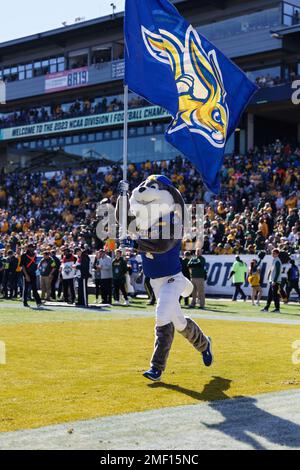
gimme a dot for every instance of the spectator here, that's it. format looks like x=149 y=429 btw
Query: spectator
x=198 y=276
x=19 y=276
x=119 y=269
x=239 y=271
x=134 y=268
x=255 y=282
x=29 y=268
x=83 y=275
x=46 y=268
x=293 y=280
x=106 y=277
x=68 y=273
x=10 y=276
x=274 y=277
x=97 y=275
x=55 y=274
x=285 y=266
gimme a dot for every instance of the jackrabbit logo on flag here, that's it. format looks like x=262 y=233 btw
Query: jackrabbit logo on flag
x=202 y=105
x=172 y=65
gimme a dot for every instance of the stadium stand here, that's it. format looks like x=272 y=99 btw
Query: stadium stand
x=258 y=208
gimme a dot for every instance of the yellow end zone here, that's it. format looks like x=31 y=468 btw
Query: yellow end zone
x=63 y=372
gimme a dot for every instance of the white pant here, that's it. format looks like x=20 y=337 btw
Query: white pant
x=167 y=292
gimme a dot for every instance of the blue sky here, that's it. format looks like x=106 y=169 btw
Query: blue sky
x=21 y=18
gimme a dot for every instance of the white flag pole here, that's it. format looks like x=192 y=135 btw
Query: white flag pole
x=125 y=165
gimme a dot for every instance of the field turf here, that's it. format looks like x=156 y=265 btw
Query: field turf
x=65 y=364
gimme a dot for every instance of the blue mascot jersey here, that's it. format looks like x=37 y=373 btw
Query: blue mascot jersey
x=162 y=265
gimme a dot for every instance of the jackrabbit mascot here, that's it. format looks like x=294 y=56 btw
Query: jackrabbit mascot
x=156 y=212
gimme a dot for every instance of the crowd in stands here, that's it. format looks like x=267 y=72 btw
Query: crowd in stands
x=78 y=108
x=87 y=106
x=268 y=80
x=258 y=208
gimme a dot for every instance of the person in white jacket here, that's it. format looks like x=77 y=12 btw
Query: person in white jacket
x=105 y=266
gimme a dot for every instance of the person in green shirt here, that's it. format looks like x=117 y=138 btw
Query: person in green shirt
x=238 y=273
x=198 y=275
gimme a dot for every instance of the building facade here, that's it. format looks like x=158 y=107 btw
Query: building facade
x=64 y=88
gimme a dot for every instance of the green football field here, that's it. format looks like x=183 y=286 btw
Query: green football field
x=65 y=364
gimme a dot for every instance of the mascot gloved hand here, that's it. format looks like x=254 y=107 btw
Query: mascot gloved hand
x=156 y=210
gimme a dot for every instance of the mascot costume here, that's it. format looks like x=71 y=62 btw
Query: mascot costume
x=156 y=208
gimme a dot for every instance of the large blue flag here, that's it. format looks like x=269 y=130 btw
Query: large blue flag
x=170 y=64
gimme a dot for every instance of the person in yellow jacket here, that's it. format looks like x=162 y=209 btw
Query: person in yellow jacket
x=254 y=281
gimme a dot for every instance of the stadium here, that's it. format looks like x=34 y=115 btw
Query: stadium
x=75 y=342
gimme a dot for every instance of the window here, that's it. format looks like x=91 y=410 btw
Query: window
x=101 y=54
x=252 y=22
x=14 y=74
x=57 y=64
x=21 y=70
x=53 y=66
x=266 y=77
x=91 y=137
x=37 y=66
x=78 y=59
x=45 y=67
x=60 y=64
x=29 y=71
x=149 y=130
x=291 y=14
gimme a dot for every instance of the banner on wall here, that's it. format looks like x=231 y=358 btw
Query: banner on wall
x=66 y=80
x=118 y=69
x=219 y=268
x=82 y=123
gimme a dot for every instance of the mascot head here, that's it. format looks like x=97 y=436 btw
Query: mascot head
x=155 y=199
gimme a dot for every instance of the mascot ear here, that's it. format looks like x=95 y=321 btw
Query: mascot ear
x=178 y=200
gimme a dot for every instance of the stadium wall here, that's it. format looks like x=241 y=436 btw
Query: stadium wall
x=219 y=268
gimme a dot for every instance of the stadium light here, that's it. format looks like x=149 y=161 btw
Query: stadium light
x=113 y=5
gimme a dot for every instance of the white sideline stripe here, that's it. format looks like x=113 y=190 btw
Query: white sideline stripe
x=127 y=313
x=268 y=421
